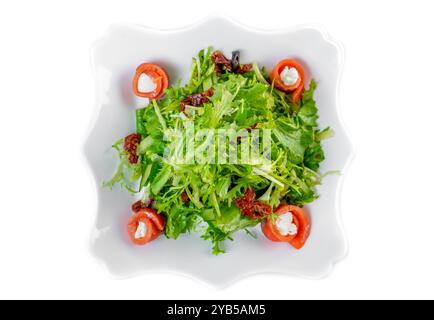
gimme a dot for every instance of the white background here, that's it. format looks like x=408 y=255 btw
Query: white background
x=47 y=196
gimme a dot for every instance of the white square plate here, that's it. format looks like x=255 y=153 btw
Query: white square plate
x=115 y=57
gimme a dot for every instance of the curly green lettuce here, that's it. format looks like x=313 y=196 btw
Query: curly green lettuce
x=239 y=101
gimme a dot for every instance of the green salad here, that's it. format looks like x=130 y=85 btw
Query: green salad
x=192 y=163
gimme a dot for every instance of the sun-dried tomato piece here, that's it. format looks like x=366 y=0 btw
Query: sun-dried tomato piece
x=138 y=205
x=133 y=158
x=220 y=60
x=233 y=65
x=261 y=209
x=250 y=195
x=131 y=143
x=244 y=68
x=251 y=208
x=197 y=99
x=246 y=201
x=218 y=69
x=184 y=197
x=247 y=210
x=201 y=98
